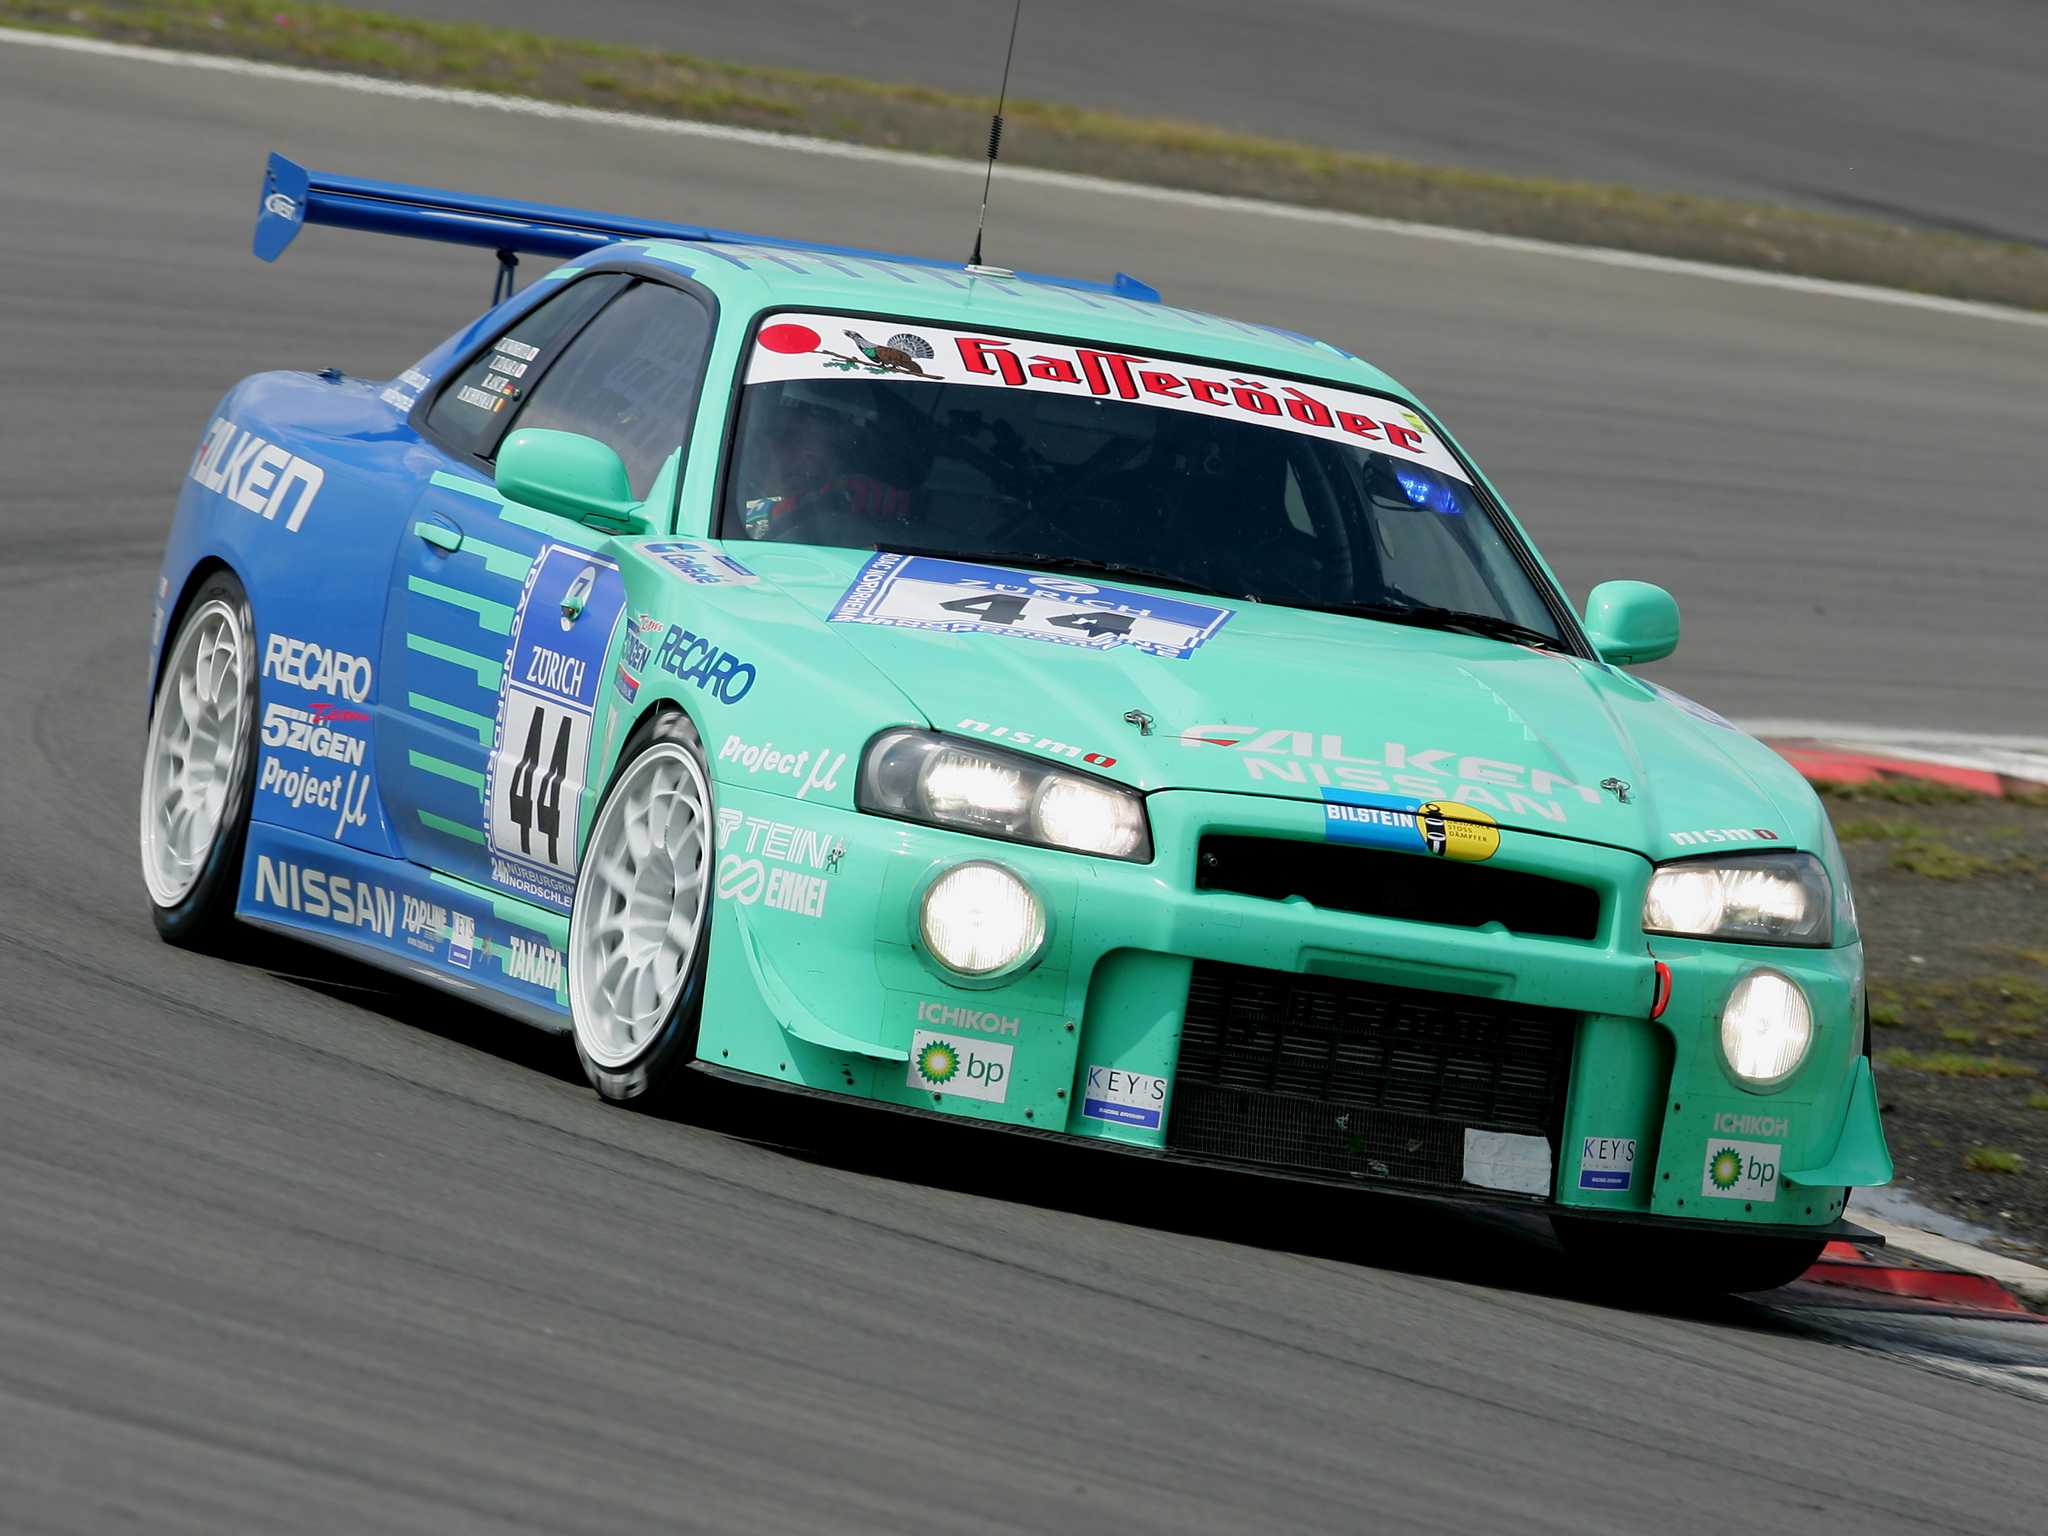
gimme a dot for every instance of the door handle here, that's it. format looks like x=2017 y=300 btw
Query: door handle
x=440 y=535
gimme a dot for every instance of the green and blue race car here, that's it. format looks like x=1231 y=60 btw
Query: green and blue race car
x=1003 y=698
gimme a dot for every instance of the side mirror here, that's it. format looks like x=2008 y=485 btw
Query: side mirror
x=1631 y=621
x=570 y=475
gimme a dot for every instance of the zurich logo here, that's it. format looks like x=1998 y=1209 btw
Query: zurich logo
x=284 y=207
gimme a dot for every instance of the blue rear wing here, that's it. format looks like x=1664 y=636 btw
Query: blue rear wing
x=294 y=196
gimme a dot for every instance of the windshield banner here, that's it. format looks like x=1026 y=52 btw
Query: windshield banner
x=800 y=346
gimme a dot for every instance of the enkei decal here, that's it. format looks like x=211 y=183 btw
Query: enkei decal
x=1433 y=773
x=1607 y=1162
x=805 y=346
x=554 y=665
x=317 y=669
x=745 y=875
x=1124 y=1098
x=968 y=1069
x=702 y=565
x=920 y=592
x=1445 y=828
x=1742 y=1170
x=257 y=474
x=1036 y=743
x=812 y=770
x=1724 y=835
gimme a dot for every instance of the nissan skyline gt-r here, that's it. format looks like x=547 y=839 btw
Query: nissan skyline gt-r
x=1002 y=698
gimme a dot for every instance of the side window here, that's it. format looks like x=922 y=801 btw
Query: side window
x=472 y=410
x=630 y=378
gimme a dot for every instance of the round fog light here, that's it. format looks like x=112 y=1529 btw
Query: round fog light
x=979 y=919
x=1765 y=1027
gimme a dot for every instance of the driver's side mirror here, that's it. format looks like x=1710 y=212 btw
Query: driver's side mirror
x=570 y=475
x=1631 y=621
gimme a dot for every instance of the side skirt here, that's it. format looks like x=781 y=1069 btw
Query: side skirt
x=495 y=951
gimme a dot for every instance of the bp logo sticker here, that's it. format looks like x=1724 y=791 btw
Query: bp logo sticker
x=1724 y=1168
x=962 y=1067
x=938 y=1063
x=1742 y=1170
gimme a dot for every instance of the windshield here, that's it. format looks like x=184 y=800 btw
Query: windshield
x=869 y=435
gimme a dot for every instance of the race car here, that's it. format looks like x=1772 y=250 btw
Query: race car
x=1002 y=698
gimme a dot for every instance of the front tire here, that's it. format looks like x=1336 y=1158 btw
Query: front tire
x=1654 y=1260
x=640 y=928
x=198 y=778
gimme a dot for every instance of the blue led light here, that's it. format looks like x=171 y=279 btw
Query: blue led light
x=1426 y=490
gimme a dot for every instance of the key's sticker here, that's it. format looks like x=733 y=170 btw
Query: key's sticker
x=1124 y=1098
x=1607 y=1162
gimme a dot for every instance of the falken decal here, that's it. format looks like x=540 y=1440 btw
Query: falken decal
x=955 y=597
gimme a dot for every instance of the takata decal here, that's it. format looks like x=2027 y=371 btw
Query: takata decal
x=255 y=473
x=919 y=592
x=554 y=668
x=803 y=346
x=702 y=565
x=1443 y=827
x=1428 y=773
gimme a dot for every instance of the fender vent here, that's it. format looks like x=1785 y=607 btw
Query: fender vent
x=1327 y=1075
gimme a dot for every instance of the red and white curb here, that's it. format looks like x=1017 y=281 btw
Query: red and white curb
x=1947 y=1272
x=1998 y=766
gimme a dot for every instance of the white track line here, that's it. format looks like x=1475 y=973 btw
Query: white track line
x=529 y=107
x=2019 y=757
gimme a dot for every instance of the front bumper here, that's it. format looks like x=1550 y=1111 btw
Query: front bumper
x=825 y=991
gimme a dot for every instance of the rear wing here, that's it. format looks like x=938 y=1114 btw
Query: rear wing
x=294 y=196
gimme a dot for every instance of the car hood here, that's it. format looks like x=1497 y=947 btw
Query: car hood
x=1303 y=705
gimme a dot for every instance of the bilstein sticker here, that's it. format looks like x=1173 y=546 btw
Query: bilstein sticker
x=1443 y=827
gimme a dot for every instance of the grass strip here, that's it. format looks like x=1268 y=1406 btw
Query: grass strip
x=1155 y=151
x=1953 y=1064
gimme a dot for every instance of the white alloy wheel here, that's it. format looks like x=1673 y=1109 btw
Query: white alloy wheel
x=195 y=742
x=640 y=904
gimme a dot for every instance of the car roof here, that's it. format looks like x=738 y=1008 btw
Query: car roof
x=758 y=278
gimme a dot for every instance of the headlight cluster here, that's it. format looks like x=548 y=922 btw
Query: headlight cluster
x=923 y=776
x=1756 y=898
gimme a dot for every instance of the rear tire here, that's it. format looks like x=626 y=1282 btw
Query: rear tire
x=641 y=925
x=1658 y=1259
x=198 y=778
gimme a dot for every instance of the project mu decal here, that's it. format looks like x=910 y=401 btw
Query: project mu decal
x=919 y=592
x=554 y=668
x=804 y=346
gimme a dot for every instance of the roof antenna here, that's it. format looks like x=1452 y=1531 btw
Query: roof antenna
x=995 y=142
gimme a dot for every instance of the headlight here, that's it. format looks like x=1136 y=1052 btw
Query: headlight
x=981 y=920
x=922 y=776
x=1765 y=1027
x=1755 y=898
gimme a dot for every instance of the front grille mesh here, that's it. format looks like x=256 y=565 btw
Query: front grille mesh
x=1329 y=1075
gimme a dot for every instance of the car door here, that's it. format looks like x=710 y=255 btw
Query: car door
x=501 y=615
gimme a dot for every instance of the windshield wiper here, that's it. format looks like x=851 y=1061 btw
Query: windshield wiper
x=1034 y=562
x=1456 y=620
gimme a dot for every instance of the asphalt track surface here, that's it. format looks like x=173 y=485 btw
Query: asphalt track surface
x=284 y=1246
x=1927 y=114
